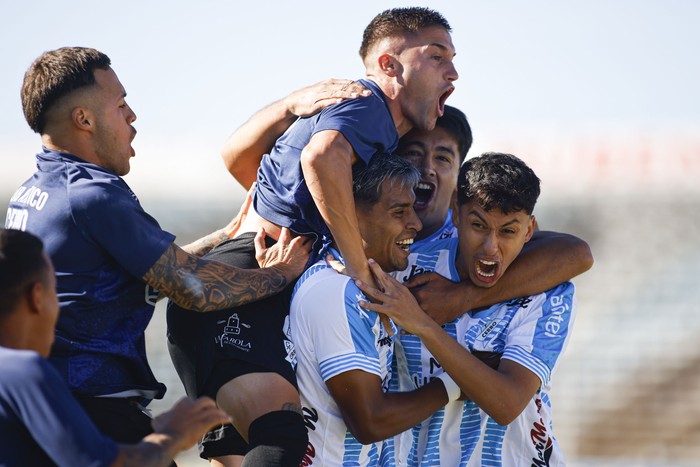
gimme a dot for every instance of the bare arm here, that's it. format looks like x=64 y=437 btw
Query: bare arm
x=548 y=259
x=327 y=164
x=175 y=430
x=502 y=393
x=203 y=245
x=372 y=415
x=203 y=285
x=244 y=149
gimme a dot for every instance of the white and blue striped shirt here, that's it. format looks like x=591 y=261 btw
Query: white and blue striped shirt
x=333 y=334
x=532 y=331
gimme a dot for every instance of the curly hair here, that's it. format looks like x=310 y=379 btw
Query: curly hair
x=498 y=181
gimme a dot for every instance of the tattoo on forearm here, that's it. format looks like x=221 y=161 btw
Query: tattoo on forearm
x=202 y=285
x=203 y=245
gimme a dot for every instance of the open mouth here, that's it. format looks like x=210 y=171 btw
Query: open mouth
x=405 y=244
x=486 y=269
x=424 y=194
x=443 y=99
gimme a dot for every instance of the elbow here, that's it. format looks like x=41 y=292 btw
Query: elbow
x=367 y=433
x=312 y=159
x=582 y=256
x=229 y=157
x=366 y=427
x=503 y=419
x=505 y=414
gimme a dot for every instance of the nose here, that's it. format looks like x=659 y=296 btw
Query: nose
x=131 y=116
x=427 y=165
x=491 y=243
x=452 y=74
x=414 y=222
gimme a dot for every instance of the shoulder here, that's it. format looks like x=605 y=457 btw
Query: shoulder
x=22 y=367
x=367 y=114
x=89 y=187
x=565 y=289
x=320 y=283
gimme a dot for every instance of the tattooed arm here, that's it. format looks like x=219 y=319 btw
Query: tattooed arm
x=203 y=245
x=203 y=285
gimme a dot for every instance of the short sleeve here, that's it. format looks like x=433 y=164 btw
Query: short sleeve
x=365 y=122
x=54 y=418
x=343 y=333
x=109 y=214
x=540 y=335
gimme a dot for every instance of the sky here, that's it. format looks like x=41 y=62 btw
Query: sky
x=194 y=71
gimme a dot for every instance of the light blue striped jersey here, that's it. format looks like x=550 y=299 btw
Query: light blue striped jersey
x=333 y=334
x=531 y=331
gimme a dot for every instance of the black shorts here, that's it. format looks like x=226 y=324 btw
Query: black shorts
x=122 y=419
x=210 y=349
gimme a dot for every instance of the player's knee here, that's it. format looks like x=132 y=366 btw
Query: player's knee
x=277 y=439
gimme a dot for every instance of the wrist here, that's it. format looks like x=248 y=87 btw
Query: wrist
x=469 y=296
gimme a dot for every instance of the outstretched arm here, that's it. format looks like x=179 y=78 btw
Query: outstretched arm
x=204 y=285
x=548 y=259
x=502 y=393
x=175 y=430
x=244 y=149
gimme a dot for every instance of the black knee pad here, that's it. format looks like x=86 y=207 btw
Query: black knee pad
x=277 y=439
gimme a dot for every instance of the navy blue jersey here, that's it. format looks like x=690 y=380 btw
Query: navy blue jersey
x=101 y=243
x=282 y=196
x=40 y=421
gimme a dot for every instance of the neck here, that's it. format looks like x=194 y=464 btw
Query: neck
x=70 y=144
x=392 y=95
x=14 y=333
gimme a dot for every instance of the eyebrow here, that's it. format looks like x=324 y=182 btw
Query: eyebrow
x=401 y=205
x=446 y=149
x=424 y=146
x=443 y=48
x=510 y=222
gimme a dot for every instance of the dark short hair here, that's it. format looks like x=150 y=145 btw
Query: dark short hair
x=396 y=21
x=498 y=181
x=22 y=264
x=455 y=122
x=367 y=179
x=54 y=75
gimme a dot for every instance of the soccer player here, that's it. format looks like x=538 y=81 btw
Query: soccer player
x=344 y=352
x=502 y=356
x=545 y=261
x=113 y=259
x=41 y=423
x=305 y=184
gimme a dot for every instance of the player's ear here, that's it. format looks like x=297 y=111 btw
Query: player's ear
x=389 y=65
x=35 y=297
x=531 y=227
x=455 y=210
x=82 y=118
